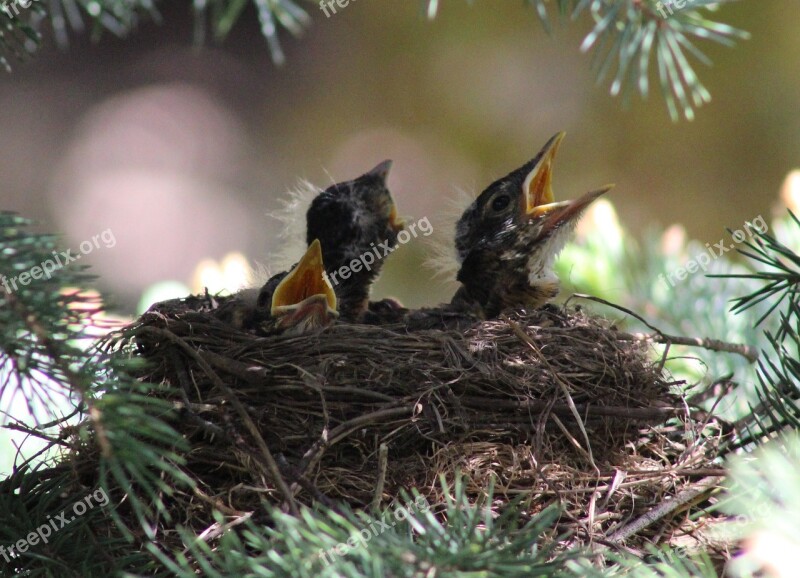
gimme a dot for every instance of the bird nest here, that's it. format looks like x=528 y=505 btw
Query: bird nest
x=555 y=404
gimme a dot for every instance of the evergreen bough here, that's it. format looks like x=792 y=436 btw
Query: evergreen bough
x=631 y=39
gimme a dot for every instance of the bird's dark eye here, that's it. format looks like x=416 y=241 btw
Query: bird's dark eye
x=500 y=202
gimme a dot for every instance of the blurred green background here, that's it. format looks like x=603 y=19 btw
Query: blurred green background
x=183 y=151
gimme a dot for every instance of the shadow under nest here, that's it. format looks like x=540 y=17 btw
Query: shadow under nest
x=554 y=404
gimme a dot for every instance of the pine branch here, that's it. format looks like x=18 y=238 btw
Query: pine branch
x=779 y=373
x=628 y=35
x=46 y=360
x=405 y=539
x=42 y=322
x=657 y=563
x=24 y=22
x=223 y=15
x=781 y=281
x=44 y=533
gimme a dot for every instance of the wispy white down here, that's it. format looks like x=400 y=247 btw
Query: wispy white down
x=292 y=219
x=441 y=245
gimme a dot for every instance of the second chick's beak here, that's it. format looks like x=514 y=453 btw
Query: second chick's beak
x=381 y=172
x=395 y=221
x=304 y=301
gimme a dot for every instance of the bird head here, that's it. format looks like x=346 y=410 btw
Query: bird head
x=509 y=237
x=302 y=300
x=491 y=220
x=353 y=214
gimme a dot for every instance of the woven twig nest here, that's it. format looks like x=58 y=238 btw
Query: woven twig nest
x=554 y=403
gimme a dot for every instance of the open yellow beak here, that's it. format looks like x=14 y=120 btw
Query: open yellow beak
x=305 y=281
x=538 y=187
x=556 y=214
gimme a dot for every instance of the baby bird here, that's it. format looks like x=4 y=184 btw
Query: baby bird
x=508 y=238
x=356 y=223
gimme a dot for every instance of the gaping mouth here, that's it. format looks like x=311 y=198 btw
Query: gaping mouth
x=538 y=186
x=557 y=214
x=311 y=313
x=304 y=288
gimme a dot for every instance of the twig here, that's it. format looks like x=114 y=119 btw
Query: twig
x=633 y=413
x=300 y=481
x=216 y=503
x=36 y=433
x=314 y=453
x=252 y=374
x=570 y=438
x=383 y=462
x=746 y=351
x=183 y=377
x=61 y=420
x=683 y=498
x=721 y=388
x=615 y=306
x=215 y=530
